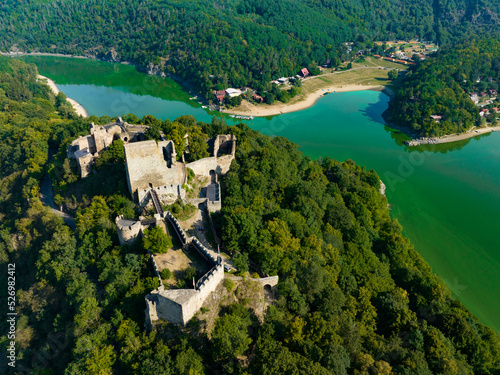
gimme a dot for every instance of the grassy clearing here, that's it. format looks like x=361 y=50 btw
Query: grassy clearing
x=367 y=76
x=363 y=73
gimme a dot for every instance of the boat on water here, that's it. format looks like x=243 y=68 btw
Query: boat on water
x=244 y=117
x=204 y=106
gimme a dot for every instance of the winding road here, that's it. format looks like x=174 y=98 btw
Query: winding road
x=47 y=198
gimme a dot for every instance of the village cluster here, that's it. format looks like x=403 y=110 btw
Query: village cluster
x=400 y=52
x=484 y=99
x=220 y=95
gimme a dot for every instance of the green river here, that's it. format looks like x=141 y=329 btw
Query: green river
x=447 y=197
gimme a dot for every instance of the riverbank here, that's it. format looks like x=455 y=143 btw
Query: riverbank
x=77 y=106
x=13 y=54
x=262 y=110
x=474 y=132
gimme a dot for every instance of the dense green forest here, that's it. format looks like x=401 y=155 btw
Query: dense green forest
x=354 y=297
x=442 y=85
x=233 y=43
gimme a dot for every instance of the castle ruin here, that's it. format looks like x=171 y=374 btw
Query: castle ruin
x=154 y=165
x=86 y=149
x=177 y=306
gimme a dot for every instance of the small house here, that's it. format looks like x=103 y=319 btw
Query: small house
x=219 y=94
x=484 y=112
x=258 y=98
x=304 y=72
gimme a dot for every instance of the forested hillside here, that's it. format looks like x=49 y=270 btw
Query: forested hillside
x=443 y=86
x=353 y=298
x=233 y=43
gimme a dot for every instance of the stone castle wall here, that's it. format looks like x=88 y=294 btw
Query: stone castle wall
x=166 y=193
x=179 y=305
x=203 y=251
x=180 y=232
x=169 y=310
x=219 y=165
x=203 y=166
x=211 y=281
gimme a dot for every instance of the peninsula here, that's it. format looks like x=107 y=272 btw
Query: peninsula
x=453 y=95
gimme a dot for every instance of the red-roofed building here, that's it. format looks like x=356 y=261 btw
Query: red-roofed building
x=493 y=92
x=304 y=72
x=219 y=94
x=258 y=98
x=436 y=118
x=483 y=112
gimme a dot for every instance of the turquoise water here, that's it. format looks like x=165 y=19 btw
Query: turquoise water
x=446 y=196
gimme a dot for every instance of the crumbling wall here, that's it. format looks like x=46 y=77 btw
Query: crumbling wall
x=169 y=310
x=203 y=166
x=167 y=193
x=100 y=138
x=214 y=206
x=224 y=144
x=224 y=163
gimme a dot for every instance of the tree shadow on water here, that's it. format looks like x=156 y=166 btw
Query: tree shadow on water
x=374 y=110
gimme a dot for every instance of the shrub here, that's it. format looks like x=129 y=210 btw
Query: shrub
x=229 y=284
x=166 y=274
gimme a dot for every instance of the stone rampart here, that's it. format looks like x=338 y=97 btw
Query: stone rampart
x=214 y=206
x=203 y=251
x=219 y=165
x=178 y=306
x=203 y=167
x=164 y=192
x=178 y=229
x=224 y=163
x=207 y=284
x=155 y=269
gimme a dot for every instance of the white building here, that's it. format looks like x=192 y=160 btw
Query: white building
x=233 y=92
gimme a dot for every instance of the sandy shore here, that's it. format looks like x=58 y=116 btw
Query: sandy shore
x=41 y=54
x=77 y=106
x=453 y=137
x=248 y=109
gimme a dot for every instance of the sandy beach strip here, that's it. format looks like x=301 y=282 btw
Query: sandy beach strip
x=77 y=106
x=249 y=109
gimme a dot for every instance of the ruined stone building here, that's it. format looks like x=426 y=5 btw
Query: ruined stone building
x=154 y=165
x=151 y=165
x=86 y=149
x=177 y=306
